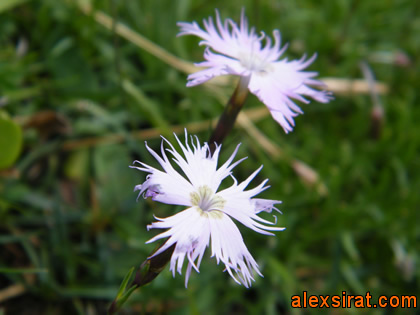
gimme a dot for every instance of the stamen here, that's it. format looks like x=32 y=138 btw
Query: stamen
x=206 y=201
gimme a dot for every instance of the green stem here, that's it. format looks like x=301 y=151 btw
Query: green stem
x=228 y=118
x=147 y=272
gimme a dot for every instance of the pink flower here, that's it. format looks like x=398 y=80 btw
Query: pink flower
x=233 y=49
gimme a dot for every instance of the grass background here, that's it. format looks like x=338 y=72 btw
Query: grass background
x=70 y=226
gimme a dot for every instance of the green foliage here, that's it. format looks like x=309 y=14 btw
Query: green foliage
x=10 y=140
x=86 y=99
x=8 y=4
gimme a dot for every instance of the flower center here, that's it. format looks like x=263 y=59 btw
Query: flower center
x=207 y=202
x=253 y=62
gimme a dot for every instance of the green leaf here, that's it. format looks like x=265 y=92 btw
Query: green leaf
x=124 y=298
x=10 y=140
x=122 y=294
x=125 y=282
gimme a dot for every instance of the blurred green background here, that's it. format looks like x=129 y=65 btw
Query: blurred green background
x=78 y=98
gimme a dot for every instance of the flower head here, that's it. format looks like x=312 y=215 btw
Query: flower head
x=233 y=49
x=209 y=211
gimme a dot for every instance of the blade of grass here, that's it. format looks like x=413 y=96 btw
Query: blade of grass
x=137 y=39
x=22 y=270
x=147 y=105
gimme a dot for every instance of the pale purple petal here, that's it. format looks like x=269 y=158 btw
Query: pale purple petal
x=209 y=215
x=237 y=50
